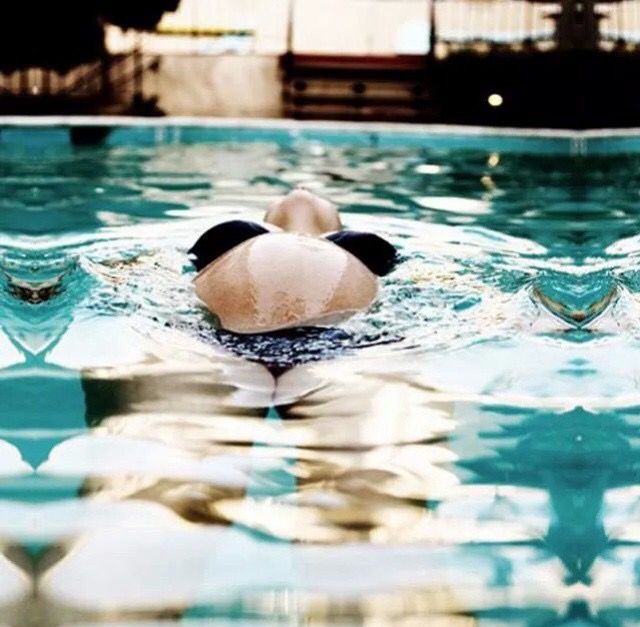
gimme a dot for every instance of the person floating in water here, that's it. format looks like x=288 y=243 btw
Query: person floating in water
x=298 y=269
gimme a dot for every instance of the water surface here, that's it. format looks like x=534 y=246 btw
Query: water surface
x=464 y=453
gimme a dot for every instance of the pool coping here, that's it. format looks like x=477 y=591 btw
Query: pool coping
x=289 y=124
x=284 y=124
x=190 y=129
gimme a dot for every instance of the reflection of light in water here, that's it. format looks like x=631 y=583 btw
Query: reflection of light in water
x=337 y=496
x=9 y=354
x=455 y=205
x=455 y=302
x=493 y=160
x=429 y=168
x=431 y=455
x=162 y=575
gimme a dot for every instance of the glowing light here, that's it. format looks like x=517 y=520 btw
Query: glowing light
x=429 y=168
x=487 y=181
x=454 y=204
x=493 y=160
x=495 y=100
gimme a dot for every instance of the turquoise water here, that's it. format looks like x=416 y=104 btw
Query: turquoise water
x=464 y=453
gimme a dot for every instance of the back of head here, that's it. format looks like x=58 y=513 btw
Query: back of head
x=302 y=212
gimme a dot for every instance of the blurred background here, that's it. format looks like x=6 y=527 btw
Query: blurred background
x=569 y=64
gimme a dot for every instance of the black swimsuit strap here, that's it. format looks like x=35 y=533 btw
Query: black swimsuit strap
x=373 y=251
x=221 y=239
x=376 y=253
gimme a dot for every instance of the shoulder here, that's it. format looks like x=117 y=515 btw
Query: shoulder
x=221 y=238
x=372 y=250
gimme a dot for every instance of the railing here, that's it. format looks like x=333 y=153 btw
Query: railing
x=619 y=23
x=111 y=83
x=480 y=25
x=367 y=27
x=484 y=24
x=384 y=28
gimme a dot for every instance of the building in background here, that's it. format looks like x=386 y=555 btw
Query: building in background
x=515 y=62
x=54 y=58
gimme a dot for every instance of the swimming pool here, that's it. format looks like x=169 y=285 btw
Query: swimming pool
x=464 y=453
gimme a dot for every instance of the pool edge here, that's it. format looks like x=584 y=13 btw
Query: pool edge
x=178 y=129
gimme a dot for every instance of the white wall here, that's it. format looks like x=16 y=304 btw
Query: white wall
x=355 y=26
x=243 y=86
x=268 y=18
x=322 y=26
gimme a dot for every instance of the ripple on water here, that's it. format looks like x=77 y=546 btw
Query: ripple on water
x=475 y=432
x=451 y=288
x=454 y=286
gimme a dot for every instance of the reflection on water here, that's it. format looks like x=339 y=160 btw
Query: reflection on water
x=465 y=453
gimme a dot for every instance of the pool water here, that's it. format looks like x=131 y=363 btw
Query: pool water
x=465 y=453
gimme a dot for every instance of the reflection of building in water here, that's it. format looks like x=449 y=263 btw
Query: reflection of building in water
x=317 y=477
x=372 y=486
x=344 y=449
x=208 y=485
x=333 y=470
